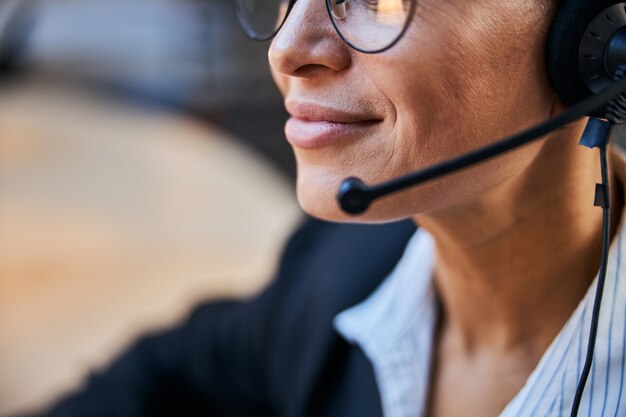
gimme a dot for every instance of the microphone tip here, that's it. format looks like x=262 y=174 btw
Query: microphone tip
x=354 y=196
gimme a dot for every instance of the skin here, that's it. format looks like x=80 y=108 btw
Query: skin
x=517 y=238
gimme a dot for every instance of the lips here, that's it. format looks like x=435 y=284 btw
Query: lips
x=314 y=125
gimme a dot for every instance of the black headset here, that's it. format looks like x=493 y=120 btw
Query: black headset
x=586 y=45
x=586 y=64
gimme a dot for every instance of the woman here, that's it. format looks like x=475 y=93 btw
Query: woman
x=487 y=312
x=516 y=239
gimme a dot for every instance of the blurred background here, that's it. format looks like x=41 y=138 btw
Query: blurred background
x=143 y=169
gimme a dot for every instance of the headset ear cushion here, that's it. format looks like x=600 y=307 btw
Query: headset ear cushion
x=563 y=47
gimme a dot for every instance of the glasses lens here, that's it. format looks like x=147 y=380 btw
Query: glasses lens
x=261 y=19
x=370 y=25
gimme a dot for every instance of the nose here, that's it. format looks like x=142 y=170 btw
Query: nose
x=307 y=43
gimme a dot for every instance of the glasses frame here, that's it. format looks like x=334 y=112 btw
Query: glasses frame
x=252 y=35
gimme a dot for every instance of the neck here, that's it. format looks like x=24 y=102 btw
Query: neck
x=513 y=264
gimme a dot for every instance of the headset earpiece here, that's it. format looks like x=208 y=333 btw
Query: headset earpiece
x=584 y=44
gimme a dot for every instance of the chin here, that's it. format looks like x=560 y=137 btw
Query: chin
x=317 y=198
x=320 y=201
x=317 y=186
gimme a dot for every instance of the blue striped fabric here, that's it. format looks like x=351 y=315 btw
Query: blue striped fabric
x=395 y=325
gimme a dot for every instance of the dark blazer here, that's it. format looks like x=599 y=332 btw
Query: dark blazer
x=274 y=355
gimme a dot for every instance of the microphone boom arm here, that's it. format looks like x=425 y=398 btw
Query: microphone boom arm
x=355 y=197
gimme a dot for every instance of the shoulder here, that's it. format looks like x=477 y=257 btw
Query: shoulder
x=325 y=268
x=341 y=262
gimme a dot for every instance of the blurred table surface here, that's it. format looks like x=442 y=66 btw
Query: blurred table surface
x=116 y=219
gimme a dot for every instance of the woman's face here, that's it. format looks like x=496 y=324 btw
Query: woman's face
x=465 y=74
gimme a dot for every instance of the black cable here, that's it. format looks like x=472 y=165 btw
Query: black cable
x=606 y=238
x=615 y=115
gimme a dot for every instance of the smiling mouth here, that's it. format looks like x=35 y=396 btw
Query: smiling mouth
x=315 y=126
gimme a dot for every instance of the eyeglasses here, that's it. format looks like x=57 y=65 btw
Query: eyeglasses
x=369 y=26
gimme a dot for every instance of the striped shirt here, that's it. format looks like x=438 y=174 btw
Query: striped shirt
x=395 y=328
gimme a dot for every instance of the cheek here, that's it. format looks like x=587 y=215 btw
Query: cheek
x=472 y=84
